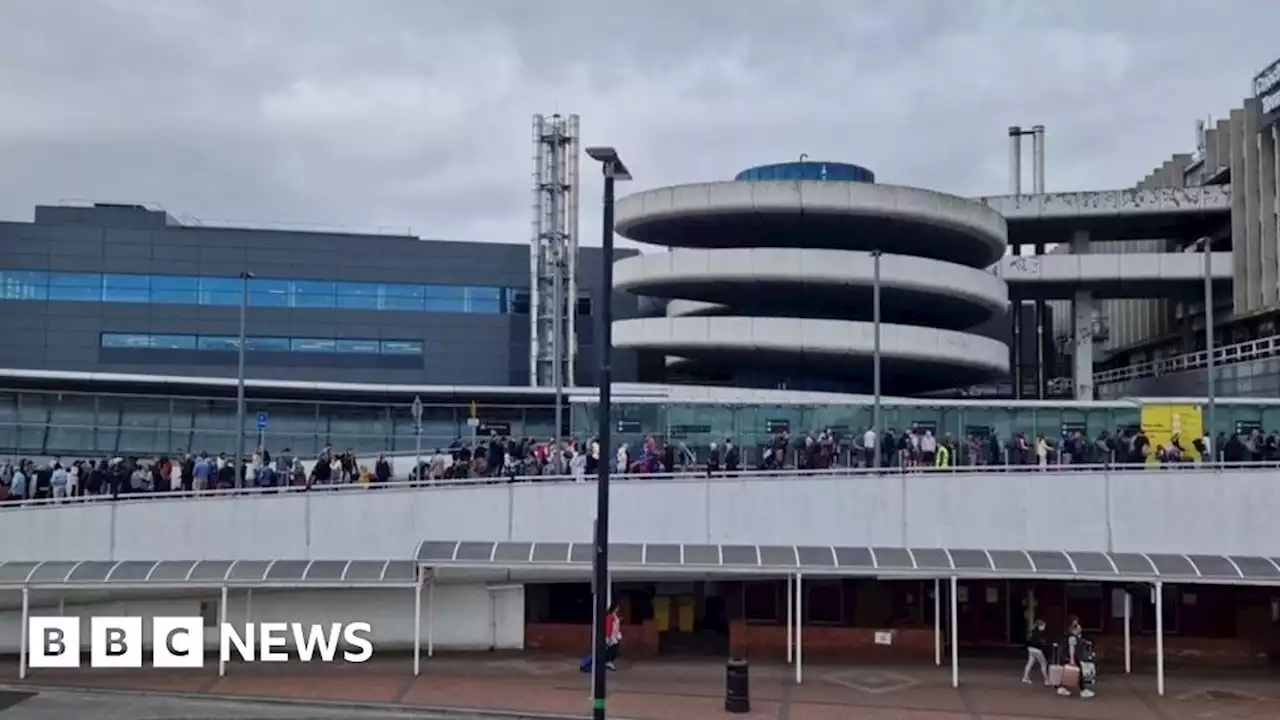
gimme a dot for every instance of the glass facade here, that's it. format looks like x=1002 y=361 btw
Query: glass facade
x=808 y=170
x=89 y=425
x=231 y=343
x=754 y=425
x=265 y=292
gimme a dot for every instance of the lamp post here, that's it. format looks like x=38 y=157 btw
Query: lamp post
x=1210 y=386
x=240 y=350
x=875 y=354
x=614 y=170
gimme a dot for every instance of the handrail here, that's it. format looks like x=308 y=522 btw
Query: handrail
x=701 y=475
x=1222 y=355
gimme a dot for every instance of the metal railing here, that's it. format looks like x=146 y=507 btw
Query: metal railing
x=1222 y=355
x=700 y=475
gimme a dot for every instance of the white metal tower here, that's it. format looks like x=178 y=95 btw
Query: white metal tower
x=553 y=252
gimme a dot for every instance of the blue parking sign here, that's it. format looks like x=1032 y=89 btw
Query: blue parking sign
x=262 y=421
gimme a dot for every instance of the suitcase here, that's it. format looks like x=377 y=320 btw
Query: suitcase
x=1055 y=668
x=1071 y=677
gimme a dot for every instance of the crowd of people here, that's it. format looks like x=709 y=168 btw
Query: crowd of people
x=913 y=448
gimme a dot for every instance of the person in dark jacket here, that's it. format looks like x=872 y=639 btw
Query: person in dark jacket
x=1037 y=646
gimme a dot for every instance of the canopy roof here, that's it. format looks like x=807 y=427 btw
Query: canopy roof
x=854 y=561
x=210 y=573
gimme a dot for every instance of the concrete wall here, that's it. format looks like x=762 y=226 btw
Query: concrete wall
x=467 y=616
x=1151 y=511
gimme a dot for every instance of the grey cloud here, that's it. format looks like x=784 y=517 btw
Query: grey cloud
x=404 y=113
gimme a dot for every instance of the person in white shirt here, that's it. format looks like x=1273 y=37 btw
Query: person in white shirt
x=869 y=447
x=928 y=448
x=60 y=480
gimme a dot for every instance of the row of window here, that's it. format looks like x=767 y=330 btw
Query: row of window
x=261 y=344
x=266 y=292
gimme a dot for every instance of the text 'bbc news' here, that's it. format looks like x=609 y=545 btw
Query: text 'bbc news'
x=179 y=642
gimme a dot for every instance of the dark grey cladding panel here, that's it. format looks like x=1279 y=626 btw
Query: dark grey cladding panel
x=893 y=559
x=971 y=560
x=1091 y=563
x=778 y=556
x=475 y=552
x=432 y=550
x=551 y=553
x=1253 y=568
x=740 y=555
x=626 y=554
x=326 y=570
x=856 y=558
x=931 y=559
x=816 y=557
x=701 y=555
x=1131 y=564
x=512 y=552
x=1173 y=565
x=1051 y=562
x=1214 y=566
x=1011 y=561
x=662 y=555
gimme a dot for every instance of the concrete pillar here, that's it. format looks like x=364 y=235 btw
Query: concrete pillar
x=1267 y=210
x=1239 y=251
x=1082 y=307
x=1252 y=203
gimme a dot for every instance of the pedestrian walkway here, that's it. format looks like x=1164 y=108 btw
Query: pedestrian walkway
x=682 y=690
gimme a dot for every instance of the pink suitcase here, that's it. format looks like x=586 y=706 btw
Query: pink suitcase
x=1055 y=675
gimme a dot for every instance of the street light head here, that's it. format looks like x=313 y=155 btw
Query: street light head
x=613 y=165
x=602 y=154
x=247 y=275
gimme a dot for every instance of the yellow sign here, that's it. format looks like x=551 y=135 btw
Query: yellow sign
x=475 y=410
x=1160 y=423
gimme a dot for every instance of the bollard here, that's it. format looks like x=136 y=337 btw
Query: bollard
x=737 y=687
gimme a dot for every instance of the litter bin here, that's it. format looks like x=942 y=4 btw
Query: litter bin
x=737 y=687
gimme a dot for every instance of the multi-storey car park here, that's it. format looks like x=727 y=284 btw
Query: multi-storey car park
x=770 y=281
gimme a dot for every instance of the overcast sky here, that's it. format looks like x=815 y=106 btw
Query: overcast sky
x=416 y=113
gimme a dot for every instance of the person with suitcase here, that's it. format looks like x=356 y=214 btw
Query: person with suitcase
x=1036 y=648
x=1078 y=671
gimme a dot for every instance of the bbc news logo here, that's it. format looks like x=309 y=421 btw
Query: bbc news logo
x=179 y=642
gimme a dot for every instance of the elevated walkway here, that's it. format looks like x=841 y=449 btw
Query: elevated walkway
x=1113 y=275
x=1113 y=214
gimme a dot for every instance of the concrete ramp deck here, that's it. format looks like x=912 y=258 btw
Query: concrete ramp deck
x=1113 y=214
x=1113 y=275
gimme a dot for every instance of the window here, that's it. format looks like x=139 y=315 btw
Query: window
x=313 y=294
x=220 y=291
x=760 y=601
x=126 y=288
x=125 y=340
x=401 y=347
x=484 y=300
x=266 y=344
x=1085 y=601
x=358 y=296
x=446 y=298
x=265 y=292
x=270 y=293
x=173 y=342
x=175 y=290
x=357 y=347
x=24 y=285
x=219 y=343
x=313 y=345
x=584 y=304
x=1145 y=607
x=78 y=287
x=823 y=602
